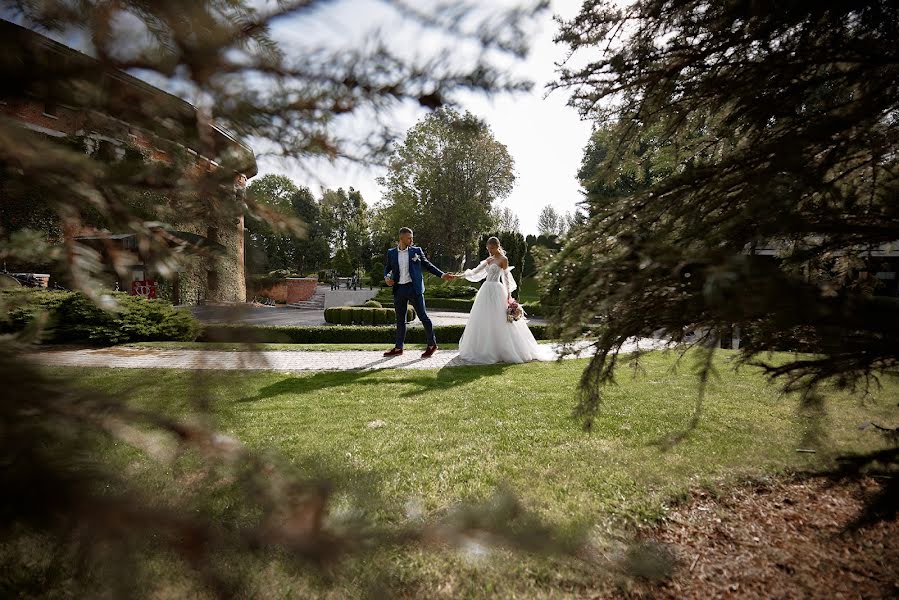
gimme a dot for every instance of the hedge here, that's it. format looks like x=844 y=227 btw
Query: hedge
x=536 y=309
x=533 y=309
x=451 y=291
x=450 y=304
x=334 y=334
x=72 y=317
x=364 y=315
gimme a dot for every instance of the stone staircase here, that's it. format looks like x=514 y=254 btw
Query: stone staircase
x=316 y=302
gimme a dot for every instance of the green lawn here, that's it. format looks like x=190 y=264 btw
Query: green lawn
x=527 y=290
x=458 y=434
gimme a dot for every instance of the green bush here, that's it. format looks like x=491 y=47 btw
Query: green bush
x=385 y=294
x=451 y=291
x=373 y=304
x=72 y=317
x=447 y=334
x=359 y=315
x=536 y=309
x=450 y=304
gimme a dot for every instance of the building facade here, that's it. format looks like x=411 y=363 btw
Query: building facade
x=210 y=246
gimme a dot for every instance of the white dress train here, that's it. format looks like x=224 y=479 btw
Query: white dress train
x=489 y=337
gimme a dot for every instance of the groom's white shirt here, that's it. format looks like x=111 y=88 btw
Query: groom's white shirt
x=403 y=259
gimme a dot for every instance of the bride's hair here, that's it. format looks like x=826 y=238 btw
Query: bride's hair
x=494 y=241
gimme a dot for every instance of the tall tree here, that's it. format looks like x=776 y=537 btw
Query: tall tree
x=274 y=249
x=269 y=248
x=443 y=180
x=549 y=221
x=506 y=219
x=358 y=232
x=348 y=219
x=777 y=122
x=311 y=250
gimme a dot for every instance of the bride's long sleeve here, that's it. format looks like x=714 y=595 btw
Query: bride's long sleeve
x=479 y=273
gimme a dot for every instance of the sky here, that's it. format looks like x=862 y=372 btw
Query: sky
x=545 y=137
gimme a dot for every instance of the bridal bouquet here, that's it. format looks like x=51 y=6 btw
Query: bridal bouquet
x=514 y=312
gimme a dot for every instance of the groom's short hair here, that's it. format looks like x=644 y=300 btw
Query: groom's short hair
x=405 y=230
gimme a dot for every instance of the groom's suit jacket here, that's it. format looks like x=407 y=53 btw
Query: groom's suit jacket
x=417 y=261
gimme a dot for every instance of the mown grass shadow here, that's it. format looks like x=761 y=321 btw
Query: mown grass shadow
x=422 y=382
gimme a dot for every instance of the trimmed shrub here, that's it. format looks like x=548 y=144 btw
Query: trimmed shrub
x=72 y=317
x=451 y=291
x=373 y=304
x=359 y=315
x=457 y=304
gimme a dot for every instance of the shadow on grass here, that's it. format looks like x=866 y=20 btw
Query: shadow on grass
x=422 y=382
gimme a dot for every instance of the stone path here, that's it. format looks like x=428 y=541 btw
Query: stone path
x=269 y=360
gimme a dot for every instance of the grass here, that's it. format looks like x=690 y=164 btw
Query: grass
x=528 y=290
x=458 y=434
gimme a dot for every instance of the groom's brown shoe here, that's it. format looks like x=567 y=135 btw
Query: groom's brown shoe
x=429 y=351
x=394 y=352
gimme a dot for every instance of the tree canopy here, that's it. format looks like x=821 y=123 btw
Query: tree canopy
x=443 y=180
x=759 y=150
x=270 y=249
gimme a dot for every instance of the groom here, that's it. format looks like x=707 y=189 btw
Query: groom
x=403 y=273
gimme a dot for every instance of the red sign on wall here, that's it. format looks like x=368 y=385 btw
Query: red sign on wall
x=144 y=287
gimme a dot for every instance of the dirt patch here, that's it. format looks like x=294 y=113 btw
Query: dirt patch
x=778 y=540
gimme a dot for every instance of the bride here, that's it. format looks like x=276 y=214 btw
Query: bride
x=489 y=337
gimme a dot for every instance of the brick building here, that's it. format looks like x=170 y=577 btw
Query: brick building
x=216 y=277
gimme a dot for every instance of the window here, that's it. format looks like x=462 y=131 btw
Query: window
x=51 y=110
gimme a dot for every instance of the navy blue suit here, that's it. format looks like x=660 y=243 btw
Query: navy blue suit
x=410 y=292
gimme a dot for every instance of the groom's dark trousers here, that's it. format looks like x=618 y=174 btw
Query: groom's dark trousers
x=403 y=294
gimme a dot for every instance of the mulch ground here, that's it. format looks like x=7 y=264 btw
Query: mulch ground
x=784 y=539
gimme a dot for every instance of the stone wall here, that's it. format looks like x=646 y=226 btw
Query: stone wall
x=219 y=278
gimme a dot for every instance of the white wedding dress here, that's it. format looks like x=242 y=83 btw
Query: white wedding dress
x=489 y=337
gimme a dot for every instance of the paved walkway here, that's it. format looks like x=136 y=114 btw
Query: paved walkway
x=269 y=360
